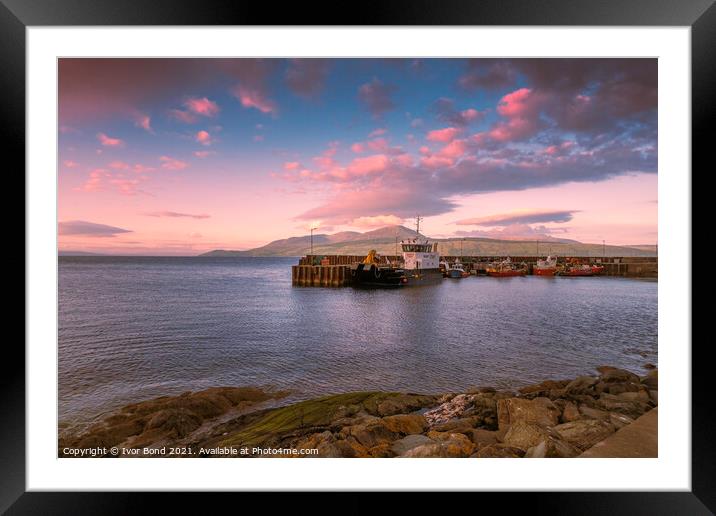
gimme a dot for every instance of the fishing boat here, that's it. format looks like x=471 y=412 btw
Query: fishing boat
x=576 y=270
x=421 y=260
x=456 y=270
x=506 y=269
x=371 y=274
x=546 y=267
x=575 y=267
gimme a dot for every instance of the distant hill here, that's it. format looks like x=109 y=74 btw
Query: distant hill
x=383 y=240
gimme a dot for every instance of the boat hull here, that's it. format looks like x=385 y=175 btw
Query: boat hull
x=373 y=276
x=506 y=274
x=550 y=271
x=577 y=273
x=420 y=277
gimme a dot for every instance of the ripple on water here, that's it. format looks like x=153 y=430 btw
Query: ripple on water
x=136 y=328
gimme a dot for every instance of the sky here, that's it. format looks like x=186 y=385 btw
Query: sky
x=182 y=156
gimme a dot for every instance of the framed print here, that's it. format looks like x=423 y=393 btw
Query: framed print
x=419 y=247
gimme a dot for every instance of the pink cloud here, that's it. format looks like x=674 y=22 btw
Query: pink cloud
x=175 y=214
x=140 y=169
x=143 y=121
x=378 y=145
x=291 y=165
x=182 y=116
x=258 y=138
x=202 y=106
x=436 y=161
x=358 y=148
x=94 y=180
x=454 y=149
x=377 y=132
x=68 y=163
x=202 y=154
x=443 y=135
x=109 y=142
x=515 y=103
x=172 y=164
x=253 y=98
x=203 y=137
x=377 y=221
x=119 y=165
x=554 y=150
x=125 y=186
x=470 y=114
x=368 y=165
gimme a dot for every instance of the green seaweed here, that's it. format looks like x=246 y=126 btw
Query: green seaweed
x=318 y=412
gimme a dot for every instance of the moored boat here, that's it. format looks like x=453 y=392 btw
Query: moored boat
x=506 y=269
x=456 y=270
x=421 y=260
x=546 y=267
x=370 y=274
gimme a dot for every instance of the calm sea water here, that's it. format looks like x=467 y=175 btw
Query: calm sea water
x=136 y=328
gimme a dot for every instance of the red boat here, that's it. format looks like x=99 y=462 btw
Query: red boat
x=576 y=270
x=545 y=267
x=505 y=269
x=597 y=269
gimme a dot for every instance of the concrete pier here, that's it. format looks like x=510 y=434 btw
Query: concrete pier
x=639 y=439
x=320 y=275
x=315 y=270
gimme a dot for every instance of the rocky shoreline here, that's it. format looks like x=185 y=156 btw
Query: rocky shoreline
x=555 y=418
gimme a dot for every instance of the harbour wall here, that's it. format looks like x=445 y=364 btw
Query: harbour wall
x=334 y=270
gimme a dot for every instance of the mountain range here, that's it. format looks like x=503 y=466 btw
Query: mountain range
x=385 y=240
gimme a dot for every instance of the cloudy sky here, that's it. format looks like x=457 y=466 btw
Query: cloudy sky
x=179 y=156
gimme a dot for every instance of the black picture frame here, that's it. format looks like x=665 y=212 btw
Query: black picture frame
x=17 y=15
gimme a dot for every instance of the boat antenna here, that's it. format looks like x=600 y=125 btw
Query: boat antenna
x=417 y=224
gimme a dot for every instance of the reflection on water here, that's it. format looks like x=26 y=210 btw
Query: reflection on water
x=135 y=328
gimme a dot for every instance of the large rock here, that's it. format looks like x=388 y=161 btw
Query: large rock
x=651 y=380
x=585 y=433
x=482 y=437
x=403 y=404
x=409 y=442
x=540 y=411
x=525 y=435
x=613 y=374
x=581 y=385
x=592 y=413
x=461 y=425
x=498 y=451
x=166 y=419
x=552 y=448
x=543 y=388
x=570 y=413
x=631 y=408
x=642 y=396
x=620 y=387
x=324 y=442
x=372 y=434
x=406 y=423
x=351 y=448
x=448 y=448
